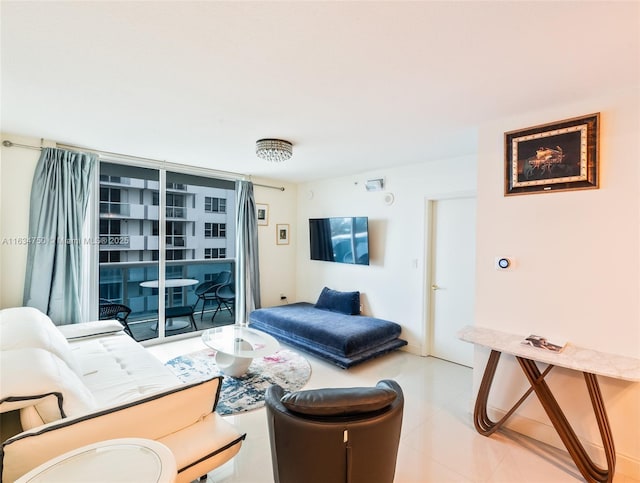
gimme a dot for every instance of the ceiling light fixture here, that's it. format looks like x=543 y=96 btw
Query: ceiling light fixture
x=274 y=150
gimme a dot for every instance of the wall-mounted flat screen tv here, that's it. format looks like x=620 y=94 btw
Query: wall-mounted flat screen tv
x=342 y=240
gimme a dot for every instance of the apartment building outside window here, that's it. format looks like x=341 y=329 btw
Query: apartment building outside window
x=215 y=205
x=175 y=206
x=198 y=242
x=176 y=234
x=215 y=230
x=110 y=179
x=109 y=256
x=175 y=255
x=110 y=227
x=215 y=253
x=110 y=200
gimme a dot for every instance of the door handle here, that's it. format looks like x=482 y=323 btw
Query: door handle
x=434 y=287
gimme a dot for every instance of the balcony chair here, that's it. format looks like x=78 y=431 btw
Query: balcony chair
x=225 y=298
x=179 y=311
x=206 y=291
x=119 y=312
x=345 y=435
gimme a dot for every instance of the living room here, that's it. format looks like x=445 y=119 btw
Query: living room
x=576 y=270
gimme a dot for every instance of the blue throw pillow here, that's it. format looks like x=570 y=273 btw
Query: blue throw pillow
x=343 y=302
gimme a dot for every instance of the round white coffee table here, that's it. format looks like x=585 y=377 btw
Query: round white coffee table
x=114 y=460
x=237 y=346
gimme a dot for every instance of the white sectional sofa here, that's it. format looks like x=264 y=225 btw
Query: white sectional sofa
x=79 y=384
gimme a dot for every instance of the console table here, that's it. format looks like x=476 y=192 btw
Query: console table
x=590 y=362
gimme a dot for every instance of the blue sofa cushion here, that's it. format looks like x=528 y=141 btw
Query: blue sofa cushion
x=332 y=332
x=345 y=340
x=347 y=303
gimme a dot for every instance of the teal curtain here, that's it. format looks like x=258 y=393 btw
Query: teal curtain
x=59 y=197
x=247 y=263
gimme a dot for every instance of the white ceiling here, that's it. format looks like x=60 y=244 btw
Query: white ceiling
x=354 y=85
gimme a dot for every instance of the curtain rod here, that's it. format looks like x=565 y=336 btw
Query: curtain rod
x=8 y=144
x=279 y=188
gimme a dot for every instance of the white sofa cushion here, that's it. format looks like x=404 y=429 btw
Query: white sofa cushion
x=116 y=369
x=22 y=327
x=96 y=328
x=33 y=373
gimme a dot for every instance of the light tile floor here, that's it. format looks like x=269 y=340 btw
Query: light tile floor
x=438 y=444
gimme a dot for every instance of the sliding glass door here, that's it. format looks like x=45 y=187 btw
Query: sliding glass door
x=167 y=244
x=199 y=251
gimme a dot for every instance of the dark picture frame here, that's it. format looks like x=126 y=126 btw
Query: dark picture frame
x=558 y=156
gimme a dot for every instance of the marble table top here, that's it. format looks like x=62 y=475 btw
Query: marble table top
x=572 y=357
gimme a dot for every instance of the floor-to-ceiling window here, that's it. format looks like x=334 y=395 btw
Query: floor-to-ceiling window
x=161 y=274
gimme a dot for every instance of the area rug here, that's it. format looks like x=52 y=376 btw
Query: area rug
x=286 y=368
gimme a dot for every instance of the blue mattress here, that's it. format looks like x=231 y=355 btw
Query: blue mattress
x=345 y=340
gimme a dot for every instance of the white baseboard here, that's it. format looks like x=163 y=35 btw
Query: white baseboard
x=546 y=433
x=412 y=349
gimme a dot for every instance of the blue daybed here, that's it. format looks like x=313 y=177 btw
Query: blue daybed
x=331 y=329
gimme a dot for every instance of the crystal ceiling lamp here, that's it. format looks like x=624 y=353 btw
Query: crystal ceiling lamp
x=275 y=150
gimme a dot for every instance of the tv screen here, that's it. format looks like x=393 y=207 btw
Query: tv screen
x=342 y=240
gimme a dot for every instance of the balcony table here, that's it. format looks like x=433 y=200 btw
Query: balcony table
x=170 y=283
x=587 y=361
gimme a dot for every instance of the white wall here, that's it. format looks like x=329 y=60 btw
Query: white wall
x=277 y=262
x=577 y=269
x=17 y=166
x=393 y=285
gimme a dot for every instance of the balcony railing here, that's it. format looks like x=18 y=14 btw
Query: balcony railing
x=115 y=241
x=176 y=241
x=115 y=180
x=176 y=212
x=176 y=187
x=120 y=283
x=109 y=208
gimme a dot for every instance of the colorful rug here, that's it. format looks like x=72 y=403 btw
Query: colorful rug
x=285 y=368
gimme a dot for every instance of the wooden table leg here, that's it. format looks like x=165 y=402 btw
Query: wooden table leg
x=585 y=464
x=485 y=426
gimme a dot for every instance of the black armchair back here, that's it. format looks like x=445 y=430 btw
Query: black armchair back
x=348 y=435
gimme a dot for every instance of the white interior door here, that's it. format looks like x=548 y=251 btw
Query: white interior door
x=453 y=254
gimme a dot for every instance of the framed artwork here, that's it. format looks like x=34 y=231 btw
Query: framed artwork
x=559 y=156
x=262 y=212
x=282 y=234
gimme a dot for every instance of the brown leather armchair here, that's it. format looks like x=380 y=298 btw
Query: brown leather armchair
x=337 y=435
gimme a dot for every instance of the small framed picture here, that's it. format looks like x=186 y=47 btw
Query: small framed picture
x=262 y=212
x=559 y=156
x=282 y=234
